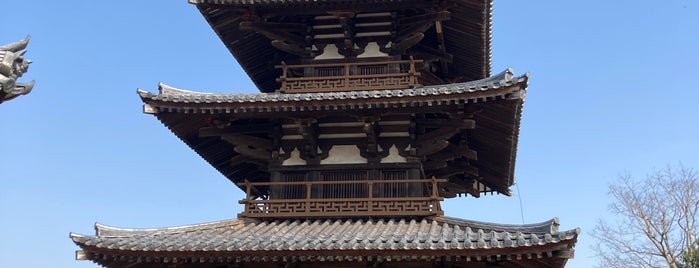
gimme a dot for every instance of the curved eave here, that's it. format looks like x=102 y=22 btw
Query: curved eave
x=251 y=240
x=501 y=86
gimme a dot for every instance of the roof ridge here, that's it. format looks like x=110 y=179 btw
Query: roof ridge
x=107 y=230
x=174 y=94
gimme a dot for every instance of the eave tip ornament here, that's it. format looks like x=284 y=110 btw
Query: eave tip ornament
x=12 y=66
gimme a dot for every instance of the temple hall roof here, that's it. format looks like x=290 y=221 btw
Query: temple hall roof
x=249 y=240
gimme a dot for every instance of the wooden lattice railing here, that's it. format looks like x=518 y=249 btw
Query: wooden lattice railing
x=372 y=202
x=328 y=77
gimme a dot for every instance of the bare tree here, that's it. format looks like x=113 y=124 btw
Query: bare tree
x=656 y=220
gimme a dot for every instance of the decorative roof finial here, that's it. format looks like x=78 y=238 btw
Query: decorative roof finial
x=12 y=66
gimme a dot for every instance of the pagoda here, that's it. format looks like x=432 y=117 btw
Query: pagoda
x=370 y=113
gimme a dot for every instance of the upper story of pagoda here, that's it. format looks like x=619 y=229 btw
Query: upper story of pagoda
x=367 y=108
x=293 y=46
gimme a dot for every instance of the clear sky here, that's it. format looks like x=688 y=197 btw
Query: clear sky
x=613 y=91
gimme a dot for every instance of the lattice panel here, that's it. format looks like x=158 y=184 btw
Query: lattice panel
x=342 y=208
x=380 y=82
x=402 y=206
x=314 y=85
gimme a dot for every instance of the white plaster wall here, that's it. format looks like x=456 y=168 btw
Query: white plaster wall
x=394 y=156
x=294 y=159
x=330 y=52
x=344 y=154
x=372 y=50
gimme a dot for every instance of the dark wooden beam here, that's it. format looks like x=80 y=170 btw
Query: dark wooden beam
x=461 y=123
x=293 y=48
x=400 y=46
x=308 y=129
x=428 y=147
x=438 y=53
x=235 y=129
x=249 y=146
x=404 y=32
x=272 y=33
x=443 y=133
x=453 y=151
x=456 y=167
x=427 y=17
x=273 y=26
x=442 y=47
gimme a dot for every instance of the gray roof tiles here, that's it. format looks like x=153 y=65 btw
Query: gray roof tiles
x=506 y=78
x=267 y=237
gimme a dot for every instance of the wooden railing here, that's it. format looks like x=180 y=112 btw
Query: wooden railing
x=328 y=77
x=372 y=202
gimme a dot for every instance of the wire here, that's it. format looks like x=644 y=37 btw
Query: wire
x=521 y=208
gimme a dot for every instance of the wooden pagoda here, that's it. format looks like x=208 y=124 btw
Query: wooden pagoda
x=369 y=114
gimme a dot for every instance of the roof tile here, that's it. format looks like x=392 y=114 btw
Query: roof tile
x=262 y=238
x=171 y=94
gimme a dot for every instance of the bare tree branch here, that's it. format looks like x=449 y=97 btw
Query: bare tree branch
x=655 y=220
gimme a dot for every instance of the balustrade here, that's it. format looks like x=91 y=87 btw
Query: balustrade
x=328 y=77
x=352 y=199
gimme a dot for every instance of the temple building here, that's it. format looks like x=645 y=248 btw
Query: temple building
x=370 y=113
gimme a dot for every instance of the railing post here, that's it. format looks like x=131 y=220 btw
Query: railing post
x=370 y=204
x=411 y=74
x=247 y=197
x=435 y=193
x=284 y=76
x=307 y=209
x=347 y=76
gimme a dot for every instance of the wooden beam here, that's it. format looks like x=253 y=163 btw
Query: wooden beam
x=272 y=33
x=442 y=47
x=273 y=26
x=293 y=48
x=308 y=129
x=453 y=151
x=404 y=32
x=235 y=129
x=438 y=53
x=249 y=146
x=429 y=147
x=461 y=123
x=452 y=169
x=246 y=140
x=427 y=17
x=400 y=46
x=443 y=133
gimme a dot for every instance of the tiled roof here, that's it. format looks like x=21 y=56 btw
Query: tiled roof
x=332 y=239
x=473 y=91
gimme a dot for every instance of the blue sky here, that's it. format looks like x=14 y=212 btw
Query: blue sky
x=612 y=92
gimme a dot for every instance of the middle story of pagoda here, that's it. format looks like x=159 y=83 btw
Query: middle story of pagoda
x=369 y=113
x=357 y=153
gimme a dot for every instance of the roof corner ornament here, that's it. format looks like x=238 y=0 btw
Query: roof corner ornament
x=12 y=66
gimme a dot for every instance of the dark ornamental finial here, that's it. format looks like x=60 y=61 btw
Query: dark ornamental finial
x=12 y=66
